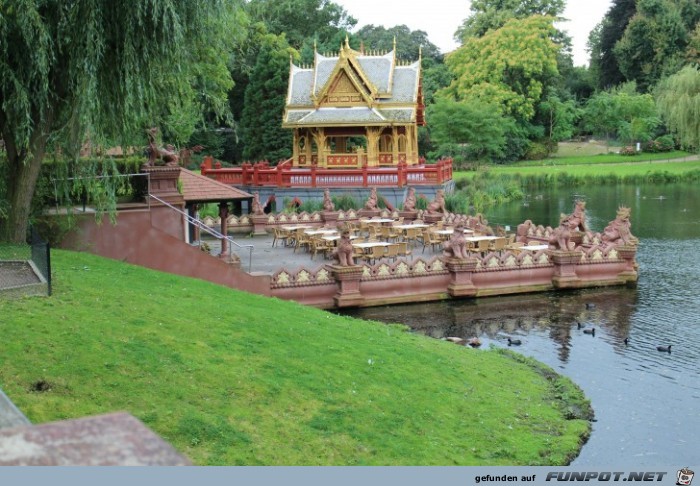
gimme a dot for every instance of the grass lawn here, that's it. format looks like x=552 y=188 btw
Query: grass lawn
x=582 y=170
x=238 y=379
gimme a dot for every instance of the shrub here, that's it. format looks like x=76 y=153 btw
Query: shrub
x=665 y=143
x=628 y=150
x=345 y=202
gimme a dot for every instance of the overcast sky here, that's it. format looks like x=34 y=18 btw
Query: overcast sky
x=440 y=18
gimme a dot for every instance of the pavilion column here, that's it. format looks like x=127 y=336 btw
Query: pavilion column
x=411 y=145
x=295 y=148
x=394 y=146
x=308 y=147
x=373 y=134
x=223 y=214
x=320 y=138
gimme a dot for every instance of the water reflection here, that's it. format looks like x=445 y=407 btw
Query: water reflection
x=645 y=401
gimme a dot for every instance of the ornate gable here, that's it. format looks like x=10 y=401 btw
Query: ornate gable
x=343 y=91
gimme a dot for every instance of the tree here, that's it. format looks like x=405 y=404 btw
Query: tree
x=472 y=129
x=107 y=69
x=408 y=42
x=622 y=113
x=509 y=67
x=300 y=20
x=557 y=118
x=490 y=15
x=655 y=41
x=602 y=42
x=678 y=100
x=261 y=122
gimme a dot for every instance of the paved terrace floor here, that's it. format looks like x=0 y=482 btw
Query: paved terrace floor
x=269 y=259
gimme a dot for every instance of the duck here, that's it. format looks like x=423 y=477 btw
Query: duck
x=590 y=331
x=665 y=349
x=626 y=341
x=579 y=325
x=590 y=305
x=514 y=342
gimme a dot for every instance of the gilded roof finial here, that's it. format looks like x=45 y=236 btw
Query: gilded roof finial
x=362 y=48
x=314 y=45
x=347 y=42
x=420 y=53
x=394 y=42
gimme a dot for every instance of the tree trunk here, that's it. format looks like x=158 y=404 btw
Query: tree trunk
x=23 y=173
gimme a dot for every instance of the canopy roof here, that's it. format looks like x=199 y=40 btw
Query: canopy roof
x=197 y=188
x=353 y=88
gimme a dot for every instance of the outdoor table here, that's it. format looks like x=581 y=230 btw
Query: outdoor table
x=370 y=244
x=533 y=247
x=336 y=237
x=314 y=232
x=479 y=238
x=407 y=226
x=294 y=227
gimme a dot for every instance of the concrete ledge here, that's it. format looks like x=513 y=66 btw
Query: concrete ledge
x=116 y=439
x=10 y=416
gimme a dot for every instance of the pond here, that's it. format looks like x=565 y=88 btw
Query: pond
x=646 y=402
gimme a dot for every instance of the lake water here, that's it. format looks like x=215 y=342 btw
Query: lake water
x=646 y=402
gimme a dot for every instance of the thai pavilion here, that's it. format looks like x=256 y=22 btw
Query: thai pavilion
x=355 y=109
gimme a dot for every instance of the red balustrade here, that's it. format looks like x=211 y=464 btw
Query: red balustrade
x=284 y=175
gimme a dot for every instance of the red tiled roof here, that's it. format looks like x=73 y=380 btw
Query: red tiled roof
x=198 y=188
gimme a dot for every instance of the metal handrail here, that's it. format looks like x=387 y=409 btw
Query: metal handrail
x=209 y=230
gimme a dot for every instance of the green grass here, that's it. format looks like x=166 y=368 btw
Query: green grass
x=597 y=173
x=604 y=159
x=233 y=378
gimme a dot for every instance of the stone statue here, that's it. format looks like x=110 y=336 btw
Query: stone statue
x=168 y=154
x=327 y=201
x=456 y=246
x=371 y=202
x=257 y=207
x=521 y=234
x=618 y=231
x=410 y=203
x=437 y=206
x=561 y=236
x=343 y=252
x=577 y=219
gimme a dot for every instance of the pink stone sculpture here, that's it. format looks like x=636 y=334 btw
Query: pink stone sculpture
x=327 y=201
x=410 y=203
x=456 y=246
x=437 y=205
x=618 y=231
x=523 y=231
x=371 y=202
x=577 y=219
x=168 y=154
x=343 y=252
x=257 y=207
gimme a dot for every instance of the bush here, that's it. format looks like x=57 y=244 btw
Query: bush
x=628 y=150
x=345 y=202
x=537 y=151
x=665 y=143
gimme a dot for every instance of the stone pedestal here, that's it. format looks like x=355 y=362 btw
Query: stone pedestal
x=565 y=268
x=369 y=213
x=432 y=218
x=163 y=185
x=628 y=253
x=461 y=271
x=330 y=218
x=348 y=279
x=408 y=215
x=259 y=224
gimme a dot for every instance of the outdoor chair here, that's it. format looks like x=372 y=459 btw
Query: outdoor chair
x=281 y=235
x=498 y=245
x=403 y=249
x=481 y=247
x=430 y=238
x=392 y=251
x=319 y=245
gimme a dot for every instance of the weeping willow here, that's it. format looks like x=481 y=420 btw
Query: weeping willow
x=98 y=70
x=678 y=100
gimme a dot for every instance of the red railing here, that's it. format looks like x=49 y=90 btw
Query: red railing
x=284 y=175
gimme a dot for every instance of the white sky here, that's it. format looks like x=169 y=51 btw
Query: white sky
x=440 y=18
